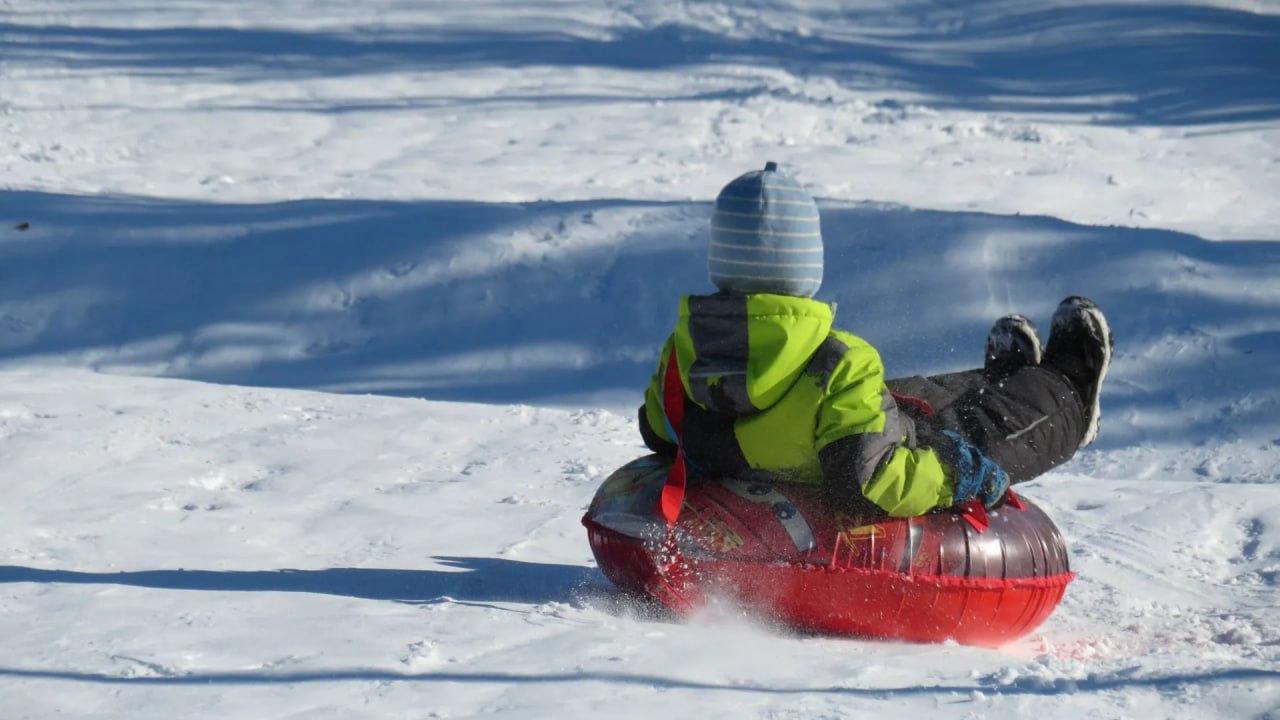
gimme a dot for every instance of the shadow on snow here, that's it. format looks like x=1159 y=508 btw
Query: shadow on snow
x=555 y=302
x=1093 y=684
x=487 y=580
x=472 y=580
x=1146 y=65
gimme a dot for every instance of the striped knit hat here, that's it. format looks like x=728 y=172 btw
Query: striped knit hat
x=766 y=237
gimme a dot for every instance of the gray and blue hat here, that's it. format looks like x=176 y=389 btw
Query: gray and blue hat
x=766 y=236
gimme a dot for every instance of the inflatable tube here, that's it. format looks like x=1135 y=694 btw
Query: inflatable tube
x=780 y=551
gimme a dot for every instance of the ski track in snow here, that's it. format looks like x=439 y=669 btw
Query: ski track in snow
x=321 y=323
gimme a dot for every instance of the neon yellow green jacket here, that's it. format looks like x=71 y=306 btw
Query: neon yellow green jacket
x=771 y=389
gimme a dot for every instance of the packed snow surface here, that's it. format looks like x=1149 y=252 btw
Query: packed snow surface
x=321 y=322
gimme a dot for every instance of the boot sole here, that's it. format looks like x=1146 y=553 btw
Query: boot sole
x=1096 y=325
x=1012 y=325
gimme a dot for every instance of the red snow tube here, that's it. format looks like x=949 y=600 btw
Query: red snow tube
x=779 y=551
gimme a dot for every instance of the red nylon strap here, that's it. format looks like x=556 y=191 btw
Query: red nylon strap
x=911 y=402
x=1014 y=501
x=975 y=513
x=673 y=405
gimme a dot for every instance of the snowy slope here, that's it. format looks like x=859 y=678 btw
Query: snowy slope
x=202 y=550
x=320 y=323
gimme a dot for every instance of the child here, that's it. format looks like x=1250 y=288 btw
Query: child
x=772 y=390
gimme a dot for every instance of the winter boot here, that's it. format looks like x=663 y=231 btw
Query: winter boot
x=1011 y=344
x=1080 y=346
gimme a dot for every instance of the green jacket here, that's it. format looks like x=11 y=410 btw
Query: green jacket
x=772 y=389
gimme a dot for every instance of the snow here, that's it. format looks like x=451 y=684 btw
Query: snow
x=320 y=323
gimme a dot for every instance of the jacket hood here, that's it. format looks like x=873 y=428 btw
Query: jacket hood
x=739 y=354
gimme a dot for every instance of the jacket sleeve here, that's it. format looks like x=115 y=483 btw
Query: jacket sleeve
x=653 y=420
x=867 y=447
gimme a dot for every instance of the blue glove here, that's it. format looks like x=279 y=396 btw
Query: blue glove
x=976 y=475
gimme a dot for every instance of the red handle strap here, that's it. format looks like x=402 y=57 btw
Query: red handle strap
x=673 y=406
x=975 y=513
x=912 y=403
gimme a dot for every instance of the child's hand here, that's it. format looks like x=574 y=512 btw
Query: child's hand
x=976 y=475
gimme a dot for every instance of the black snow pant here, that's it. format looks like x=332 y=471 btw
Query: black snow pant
x=1029 y=421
